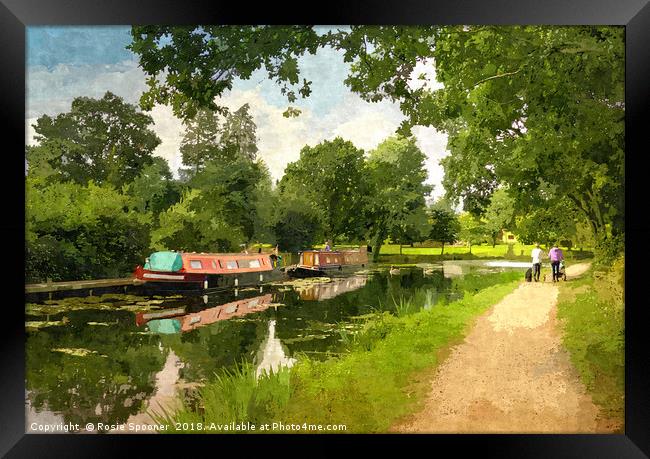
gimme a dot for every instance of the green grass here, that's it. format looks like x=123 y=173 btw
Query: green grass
x=378 y=380
x=477 y=250
x=592 y=313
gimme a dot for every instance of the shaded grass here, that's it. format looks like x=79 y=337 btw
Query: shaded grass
x=369 y=387
x=591 y=310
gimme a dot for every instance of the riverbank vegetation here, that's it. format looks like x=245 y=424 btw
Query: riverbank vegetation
x=592 y=313
x=380 y=377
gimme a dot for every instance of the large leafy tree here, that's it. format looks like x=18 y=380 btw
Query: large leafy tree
x=538 y=108
x=220 y=150
x=499 y=214
x=229 y=193
x=471 y=230
x=444 y=225
x=397 y=203
x=331 y=177
x=155 y=189
x=548 y=225
x=535 y=107
x=104 y=140
x=218 y=136
x=296 y=224
x=189 y=66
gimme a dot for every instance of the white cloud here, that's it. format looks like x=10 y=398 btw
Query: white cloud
x=170 y=130
x=424 y=75
x=51 y=91
x=280 y=139
x=434 y=145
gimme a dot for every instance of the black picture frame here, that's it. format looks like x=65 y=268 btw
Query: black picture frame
x=16 y=15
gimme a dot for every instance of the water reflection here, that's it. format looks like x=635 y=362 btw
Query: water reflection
x=111 y=358
x=272 y=355
x=326 y=291
x=160 y=322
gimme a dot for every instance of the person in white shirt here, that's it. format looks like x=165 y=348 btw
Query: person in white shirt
x=537 y=255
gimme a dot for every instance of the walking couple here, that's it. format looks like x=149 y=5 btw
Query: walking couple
x=555 y=255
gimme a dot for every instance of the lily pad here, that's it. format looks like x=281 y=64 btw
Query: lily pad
x=78 y=352
x=36 y=324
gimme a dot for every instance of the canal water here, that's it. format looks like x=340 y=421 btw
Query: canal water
x=107 y=358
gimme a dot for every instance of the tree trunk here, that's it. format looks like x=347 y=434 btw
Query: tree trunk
x=400 y=249
x=470 y=248
x=494 y=241
x=380 y=235
x=443 y=249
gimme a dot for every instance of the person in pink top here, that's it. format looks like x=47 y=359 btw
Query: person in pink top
x=556 y=256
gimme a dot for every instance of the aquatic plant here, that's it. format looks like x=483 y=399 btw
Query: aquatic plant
x=233 y=395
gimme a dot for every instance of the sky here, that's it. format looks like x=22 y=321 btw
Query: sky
x=68 y=62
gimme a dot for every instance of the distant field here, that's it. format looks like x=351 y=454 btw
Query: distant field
x=478 y=250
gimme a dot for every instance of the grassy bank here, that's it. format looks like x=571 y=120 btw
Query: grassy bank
x=379 y=379
x=591 y=310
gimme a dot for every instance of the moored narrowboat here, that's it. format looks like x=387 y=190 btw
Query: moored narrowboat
x=168 y=270
x=314 y=263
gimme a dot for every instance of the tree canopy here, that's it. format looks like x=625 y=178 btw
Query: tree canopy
x=104 y=140
x=537 y=108
x=396 y=206
x=331 y=177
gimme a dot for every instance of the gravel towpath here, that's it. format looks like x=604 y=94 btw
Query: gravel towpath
x=511 y=374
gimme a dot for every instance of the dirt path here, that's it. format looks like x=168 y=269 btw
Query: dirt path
x=511 y=374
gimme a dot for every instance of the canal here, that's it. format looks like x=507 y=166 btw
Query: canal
x=107 y=358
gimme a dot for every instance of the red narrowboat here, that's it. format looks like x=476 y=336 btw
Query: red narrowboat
x=320 y=262
x=170 y=270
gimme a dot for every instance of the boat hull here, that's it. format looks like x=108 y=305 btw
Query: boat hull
x=207 y=282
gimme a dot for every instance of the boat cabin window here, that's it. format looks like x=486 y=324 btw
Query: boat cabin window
x=249 y=263
x=232 y=264
x=214 y=265
x=196 y=264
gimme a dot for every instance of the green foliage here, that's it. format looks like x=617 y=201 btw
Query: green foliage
x=154 y=190
x=537 y=108
x=196 y=224
x=104 y=140
x=236 y=396
x=499 y=214
x=296 y=224
x=396 y=205
x=81 y=232
x=209 y=138
x=445 y=226
x=471 y=230
x=190 y=66
x=547 y=225
x=593 y=317
x=331 y=177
